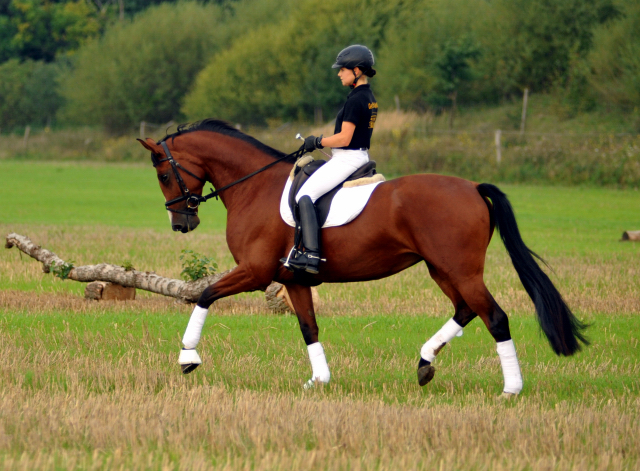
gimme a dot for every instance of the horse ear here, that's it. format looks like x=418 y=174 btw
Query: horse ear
x=150 y=145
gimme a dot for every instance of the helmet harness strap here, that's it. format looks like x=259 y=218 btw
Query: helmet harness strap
x=355 y=79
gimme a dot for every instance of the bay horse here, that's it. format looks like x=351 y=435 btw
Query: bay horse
x=445 y=221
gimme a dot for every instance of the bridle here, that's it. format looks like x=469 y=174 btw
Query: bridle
x=193 y=200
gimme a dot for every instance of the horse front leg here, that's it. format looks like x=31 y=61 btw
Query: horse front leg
x=303 y=305
x=237 y=281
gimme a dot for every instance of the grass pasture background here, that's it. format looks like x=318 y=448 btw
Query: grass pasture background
x=86 y=385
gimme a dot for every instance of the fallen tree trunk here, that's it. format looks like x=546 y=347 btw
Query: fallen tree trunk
x=105 y=291
x=186 y=291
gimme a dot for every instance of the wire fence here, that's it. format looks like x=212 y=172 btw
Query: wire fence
x=596 y=157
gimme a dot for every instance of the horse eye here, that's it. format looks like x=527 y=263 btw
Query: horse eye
x=163 y=178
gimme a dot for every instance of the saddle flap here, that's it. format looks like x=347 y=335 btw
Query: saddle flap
x=311 y=167
x=323 y=204
x=300 y=178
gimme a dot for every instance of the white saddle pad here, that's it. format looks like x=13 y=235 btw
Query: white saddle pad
x=346 y=205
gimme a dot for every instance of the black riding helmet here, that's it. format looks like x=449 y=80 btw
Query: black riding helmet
x=356 y=56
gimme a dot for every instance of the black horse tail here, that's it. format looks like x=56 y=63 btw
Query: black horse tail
x=557 y=321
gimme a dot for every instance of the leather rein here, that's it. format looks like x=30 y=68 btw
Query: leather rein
x=193 y=200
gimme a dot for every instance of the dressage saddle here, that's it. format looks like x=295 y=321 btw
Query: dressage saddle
x=323 y=204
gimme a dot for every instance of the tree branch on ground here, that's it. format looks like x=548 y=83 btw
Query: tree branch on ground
x=186 y=291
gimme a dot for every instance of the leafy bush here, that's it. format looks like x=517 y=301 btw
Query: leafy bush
x=196 y=266
x=62 y=270
x=140 y=71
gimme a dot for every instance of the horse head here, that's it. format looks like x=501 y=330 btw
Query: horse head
x=181 y=180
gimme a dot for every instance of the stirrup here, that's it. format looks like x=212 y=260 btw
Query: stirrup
x=309 y=263
x=293 y=254
x=285 y=261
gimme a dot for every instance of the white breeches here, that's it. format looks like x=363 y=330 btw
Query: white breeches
x=343 y=163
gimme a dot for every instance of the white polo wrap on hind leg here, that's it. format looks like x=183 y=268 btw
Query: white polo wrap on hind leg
x=510 y=367
x=318 y=363
x=194 y=328
x=443 y=336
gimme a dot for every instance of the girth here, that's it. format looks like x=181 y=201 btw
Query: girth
x=323 y=204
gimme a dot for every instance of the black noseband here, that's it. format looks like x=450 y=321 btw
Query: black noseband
x=193 y=201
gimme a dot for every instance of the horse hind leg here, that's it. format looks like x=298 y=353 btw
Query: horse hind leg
x=478 y=297
x=463 y=315
x=302 y=301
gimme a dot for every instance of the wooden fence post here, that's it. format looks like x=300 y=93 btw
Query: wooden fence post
x=498 y=146
x=523 y=120
x=25 y=141
x=143 y=129
x=317 y=115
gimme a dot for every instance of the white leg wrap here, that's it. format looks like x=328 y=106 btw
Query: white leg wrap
x=189 y=357
x=510 y=367
x=318 y=363
x=194 y=328
x=443 y=336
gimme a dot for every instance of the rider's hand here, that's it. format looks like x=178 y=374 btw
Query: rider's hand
x=312 y=143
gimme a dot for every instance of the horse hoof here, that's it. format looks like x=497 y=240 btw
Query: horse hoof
x=186 y=369
x=507 y=396
x=189 y=360
x=313 y=383
x=425 y=374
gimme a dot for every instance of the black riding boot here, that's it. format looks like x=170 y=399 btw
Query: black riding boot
x=310 y=258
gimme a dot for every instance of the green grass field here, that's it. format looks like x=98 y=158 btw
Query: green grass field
x=88 y=385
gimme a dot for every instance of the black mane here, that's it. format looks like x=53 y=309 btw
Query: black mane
x=222 y=127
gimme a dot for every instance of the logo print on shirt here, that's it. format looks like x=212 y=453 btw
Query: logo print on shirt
x=374 y=114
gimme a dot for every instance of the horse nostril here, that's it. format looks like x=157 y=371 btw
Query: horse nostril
x=177 y=227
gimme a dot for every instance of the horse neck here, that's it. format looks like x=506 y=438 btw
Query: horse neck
x=227 y=159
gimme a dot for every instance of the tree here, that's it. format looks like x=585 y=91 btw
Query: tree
x=28 y=93
x=428 y=58
x=43 y=29
x=531 y=43
x=454 y=70
x=7 y=31
x=283 y=70
x=614 y=62
x=140 y=71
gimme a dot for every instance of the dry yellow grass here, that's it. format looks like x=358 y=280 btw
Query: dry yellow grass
x=589 y=284
x=86 y=410
x=78 y=399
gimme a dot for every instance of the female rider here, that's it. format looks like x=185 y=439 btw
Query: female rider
x=350 y=145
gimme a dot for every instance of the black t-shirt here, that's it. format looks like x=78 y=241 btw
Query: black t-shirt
x=360 y=109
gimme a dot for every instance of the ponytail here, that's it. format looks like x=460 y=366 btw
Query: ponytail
x=368 y=71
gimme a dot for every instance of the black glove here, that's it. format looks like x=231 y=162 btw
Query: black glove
x=312 y=143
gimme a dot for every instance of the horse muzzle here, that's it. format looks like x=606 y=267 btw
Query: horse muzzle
x=185 y=224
